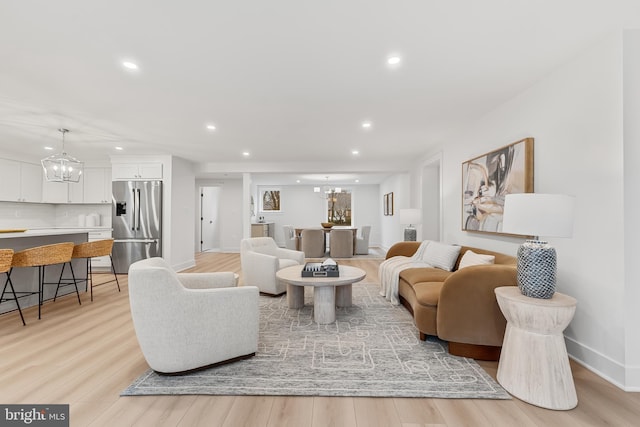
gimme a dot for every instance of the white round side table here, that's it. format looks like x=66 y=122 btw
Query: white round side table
x=534 y=365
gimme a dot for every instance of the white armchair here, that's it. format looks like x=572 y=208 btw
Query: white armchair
x=190 y=321
x=261 y=258
x=362 y=241
x=290 y=238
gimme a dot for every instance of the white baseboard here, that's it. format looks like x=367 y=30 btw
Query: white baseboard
x=626 y=378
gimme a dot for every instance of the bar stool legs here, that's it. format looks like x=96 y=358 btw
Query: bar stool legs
x=71 y=282
x=113 y=269
x=41 y=256
x=15 y=297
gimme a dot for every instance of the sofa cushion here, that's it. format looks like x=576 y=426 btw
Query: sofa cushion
x=428 y=293
x=423 y=274
x=441 y=255
x=471 y=258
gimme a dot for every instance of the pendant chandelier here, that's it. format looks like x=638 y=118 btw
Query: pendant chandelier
x=327 y=191
x=62 y=167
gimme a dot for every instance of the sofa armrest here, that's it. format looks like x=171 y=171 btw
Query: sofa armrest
x=221 y=279
x=468 y=311
x=403 y=249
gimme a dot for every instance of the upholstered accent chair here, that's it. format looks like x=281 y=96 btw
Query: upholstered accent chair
x=362 y=240
x=312 y=242
x=188 y=321
x=290 y=237
x=341 y=243
x=261 y=258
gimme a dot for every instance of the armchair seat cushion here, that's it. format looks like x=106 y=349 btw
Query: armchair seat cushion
x=282 y=263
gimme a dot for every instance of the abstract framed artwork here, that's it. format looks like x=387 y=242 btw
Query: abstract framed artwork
x=387 y=204
x=270 y=200
x=488 y=178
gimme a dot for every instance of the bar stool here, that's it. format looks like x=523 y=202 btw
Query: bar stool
x=6 y=257
x=90 y=250
x=41 y=256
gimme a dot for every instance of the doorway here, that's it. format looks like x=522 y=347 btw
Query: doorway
x=209 y=219
x=431 y=195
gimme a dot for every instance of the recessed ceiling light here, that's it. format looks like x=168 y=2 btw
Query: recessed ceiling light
x=298 y=181
x=48 y=148
x=357 y=180
x=211 y=127
x=119 y=148
x=366 y=125
x=130 y=65
x=245 y=153
x=394 y=60
x=355 y=152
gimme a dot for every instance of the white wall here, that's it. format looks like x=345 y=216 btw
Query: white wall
x=631 y=93
x=392 y=230
x=575 y=116
x=180 y=252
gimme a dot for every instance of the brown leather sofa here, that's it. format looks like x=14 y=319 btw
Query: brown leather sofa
x=459 y=306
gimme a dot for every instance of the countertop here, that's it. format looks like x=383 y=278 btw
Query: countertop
x=34 y=232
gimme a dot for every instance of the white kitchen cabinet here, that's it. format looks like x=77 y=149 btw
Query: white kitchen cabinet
x=102 y=261
x=31 y=182
x=97 y=185
x=137 y=171
x=22 y=181
x=62 y=192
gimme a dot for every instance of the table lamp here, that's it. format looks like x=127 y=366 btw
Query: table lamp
x=533 y=214
x=410 y=217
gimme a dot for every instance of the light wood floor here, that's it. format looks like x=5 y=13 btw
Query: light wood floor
x=86 y=355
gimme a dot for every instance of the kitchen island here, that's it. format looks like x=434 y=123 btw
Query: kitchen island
x=26 y=279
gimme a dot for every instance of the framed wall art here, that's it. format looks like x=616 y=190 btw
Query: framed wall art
x=387 y=202
x=270 y=200
x=488 y=178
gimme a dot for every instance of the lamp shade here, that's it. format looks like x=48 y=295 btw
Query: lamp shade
x=534 y=214
x=410 y=216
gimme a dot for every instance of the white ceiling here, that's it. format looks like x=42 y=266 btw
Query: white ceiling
x=287 y=80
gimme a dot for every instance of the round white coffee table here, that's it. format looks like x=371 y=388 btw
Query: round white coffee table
x=327 y=291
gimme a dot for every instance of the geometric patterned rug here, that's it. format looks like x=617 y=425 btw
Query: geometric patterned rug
x=372 y=349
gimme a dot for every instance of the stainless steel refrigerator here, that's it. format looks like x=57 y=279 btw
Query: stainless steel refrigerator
x=136 y=221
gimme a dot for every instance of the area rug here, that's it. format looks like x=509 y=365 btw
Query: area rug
x=372 y=349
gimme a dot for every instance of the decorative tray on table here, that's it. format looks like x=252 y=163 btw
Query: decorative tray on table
x=328 y=268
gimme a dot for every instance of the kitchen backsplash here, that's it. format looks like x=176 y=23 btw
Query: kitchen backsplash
x=42 y=215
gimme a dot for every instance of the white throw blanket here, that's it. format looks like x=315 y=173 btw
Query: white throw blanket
x=389 y=272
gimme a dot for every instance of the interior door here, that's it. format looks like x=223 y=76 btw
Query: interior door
x=209 y=218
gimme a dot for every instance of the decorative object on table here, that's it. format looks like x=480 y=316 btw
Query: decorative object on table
x=488 y=178
x=387 y=202
x=62 y=167
x=549 y=215
x=410 y=217
x=327 y=268
x=327 y=224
